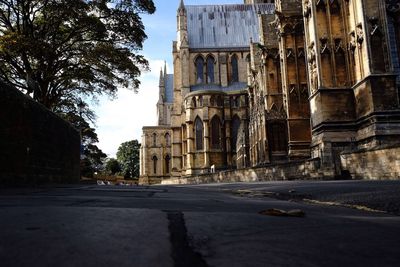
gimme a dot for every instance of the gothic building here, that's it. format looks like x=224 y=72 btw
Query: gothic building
x=266 y=82
x=155 y=151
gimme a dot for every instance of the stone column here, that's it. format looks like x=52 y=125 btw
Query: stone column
x=190 y=148
x=228 y=142
x=206 y=144
x=223 y=60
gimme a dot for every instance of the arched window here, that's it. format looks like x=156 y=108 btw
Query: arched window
x=235 y=69
x=194 y=104
x=236 y=101
x=220 y=102
x=167 y=160
x=167 y=139
x=199 y=133
x=212 y=101
x=154 y=159
x=235 y=131
x=215 y=133
x=199 y=70
x=154 y=139
x=210 y=69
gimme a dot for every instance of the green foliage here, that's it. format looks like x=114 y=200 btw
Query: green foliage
x=128 y=157
x=63 y=51
x=60 y=50
x=112 y=166
x=93 y=157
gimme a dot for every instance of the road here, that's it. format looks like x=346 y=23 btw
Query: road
x=203 y=225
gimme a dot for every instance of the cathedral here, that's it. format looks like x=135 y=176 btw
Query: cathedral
x=271 y=82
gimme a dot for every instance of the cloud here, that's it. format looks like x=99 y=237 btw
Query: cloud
x=122 y=119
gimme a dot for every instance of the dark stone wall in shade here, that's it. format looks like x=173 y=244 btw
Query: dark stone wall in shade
x=36 y=146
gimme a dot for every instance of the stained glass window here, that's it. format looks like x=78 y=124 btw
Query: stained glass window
x=199 y=133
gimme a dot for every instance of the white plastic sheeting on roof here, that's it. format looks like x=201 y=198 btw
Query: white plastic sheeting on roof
x=224 y=26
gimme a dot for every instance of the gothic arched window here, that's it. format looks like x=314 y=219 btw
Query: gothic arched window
x=235 y=68
x=235 y=131
x=199 y=70
x=167 y=139
x=198 y=124
x=215 y=132
x=210 y=69
x=236 y=101
x=167 y=161
x=200 y=101
x=212 y=101
x=154 y=139
x=220 y=101
x=154 y=159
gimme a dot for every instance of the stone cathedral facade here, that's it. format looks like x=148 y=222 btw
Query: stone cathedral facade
x=269 y=82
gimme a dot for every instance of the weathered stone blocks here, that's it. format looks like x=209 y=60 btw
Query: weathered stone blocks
x=36 y=146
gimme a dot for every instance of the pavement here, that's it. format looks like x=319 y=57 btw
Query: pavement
x=202 y=225
x=378 y=196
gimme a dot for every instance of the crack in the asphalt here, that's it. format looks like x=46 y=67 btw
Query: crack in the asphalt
x=305 y=198
x=182 y=254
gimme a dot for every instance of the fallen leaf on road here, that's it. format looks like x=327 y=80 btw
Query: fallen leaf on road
x=278 y=212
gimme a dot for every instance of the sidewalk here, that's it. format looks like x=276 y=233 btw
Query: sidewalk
x=379 y=196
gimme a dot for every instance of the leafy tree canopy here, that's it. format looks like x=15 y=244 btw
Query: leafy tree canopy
x=112 y=166
x=128 y=157
x=93 y=156
x=61 y=50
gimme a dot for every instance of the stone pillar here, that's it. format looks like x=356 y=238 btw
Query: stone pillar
x=223 y=60
x=190 y=148
x=227 y=140
x=294 y=79
x=206 y=144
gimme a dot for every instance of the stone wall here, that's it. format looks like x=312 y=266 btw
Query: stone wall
x=309 y=169
x=36 y=146
x=377 y=164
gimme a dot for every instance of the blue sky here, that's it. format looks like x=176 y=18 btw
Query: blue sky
x=122 y=119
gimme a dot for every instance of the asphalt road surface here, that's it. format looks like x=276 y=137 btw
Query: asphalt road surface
x=205 y=225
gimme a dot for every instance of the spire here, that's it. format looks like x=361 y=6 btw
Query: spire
x=181 y=5
x=165 y=68
x=182 y=9
x=161 y=83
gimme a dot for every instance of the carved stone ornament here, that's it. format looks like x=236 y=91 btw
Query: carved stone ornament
x=352 y=42
x=324 y=45
x=359 y=34
x=312 y=67
x=300 y=52
x=338 y=45
x=276 y=114
x=311 y=53
x=307 y=8
x=289 y=53
x=293 y=90
x=393 y=6
x=304 y=91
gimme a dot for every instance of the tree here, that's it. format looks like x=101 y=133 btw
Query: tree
x=112 y=166
x=128 y=157
x=60 y=50
x=93 y=157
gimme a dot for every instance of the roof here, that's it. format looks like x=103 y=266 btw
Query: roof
x=169 y=88
x=214 y=87
x=221 y=26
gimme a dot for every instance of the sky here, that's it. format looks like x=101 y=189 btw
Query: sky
x=122 y=119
